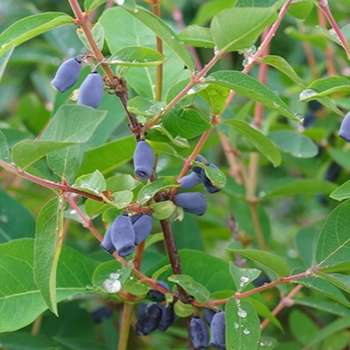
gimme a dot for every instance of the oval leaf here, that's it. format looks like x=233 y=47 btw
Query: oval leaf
x=342 y=192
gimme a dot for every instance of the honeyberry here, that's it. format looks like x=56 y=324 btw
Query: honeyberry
x=143 y=160
x=156 y=294
x=332 y=172
x=208 y=314
x=91 y=90
x=135 y=218
x=107 y=244
x=192 y=202
x=198 y=333
x=67 y=75
x=149 y=319
x=344 y=131
x=190 y=180
x=309 y=120
x=198 y=169
x=142 y=228
x=168 y=317
x=218 y=330
x=123 y=235
x=208 y=185
x=99 y=314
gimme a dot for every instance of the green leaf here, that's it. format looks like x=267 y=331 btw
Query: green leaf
x=197 y=36
x=73 y=123
x=162 y=210
x=144 y=106
x=21 y=303
x=306 y=241
x=323 y=87
x=243 y=325
x=26 y=152
x=193 y=288
x=163 y=148
x=30 y=27
x=242 y=277
x=302 y=326
x=342 y=192
x=216 y=176
x=301 y=9
x=334 y=242
x=4 y=148
x=177 y=140
x=109 y=156
x=47 y=249
x=324 y=305
x=294 y=143
x=260 y=141
x=186 y=123
x=4 y=59
x=293 y=187
x=183 y=310
x=10 y=225
x=89 y=5
x=80 y=343
x=239 y=28
x=136 y=56
x=149 y=191
x=122 y=198
x=216 y=97
x=24 y=340
x=98 y=35
x=93 y=183
x=166 y=33
x=339 y=280
x=340 y=156
x=272 y=261
x=251 y=88
x=260 y=3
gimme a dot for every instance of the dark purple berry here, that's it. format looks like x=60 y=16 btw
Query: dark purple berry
x=91 y=90
x=67 y=75
x=156 y=294
x=142 y=228
x=201 y=159
x=309 y=120
x=100 y=313
x=123 y=235
x=199 y=333
x=208 y=314
x=314 y=105
x=143 y=160
x=218 y=330
x=208 y=185
x=344 y=131
x=168 y=317
x=149 y=319
x=190 y=180
x=332 y=172
x=135 y=218
x=107 y=244
x=192 y=202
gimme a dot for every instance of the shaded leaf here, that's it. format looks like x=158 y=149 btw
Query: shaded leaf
x=144 y=106
x=4 y=59
x=337 y=279
x=4 y=148
x=80 y=343
x=251 y=88
x=342 y=192
x=122 y=198
x=97 y=33
x=94 y=183
x=272 y=261
x=242 y=277
x=197 y=36
x=162 y=210
x=260 y=141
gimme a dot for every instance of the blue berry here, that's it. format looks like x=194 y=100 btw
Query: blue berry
x=208 y=185
x=208 y=314
x=198 y=169
x=107 y=244
x=344 y=131
x=192 y=202
x=123 y=235
x=218 y=330
x=142 y=228
x=67 y=75
x=157 y=295
x=168 y=317
x=198 y=333
x=190 y=180
x=149 y=319
x=143 y=160
x=91 y=90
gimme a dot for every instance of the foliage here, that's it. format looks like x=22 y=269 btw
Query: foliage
x=248 y=95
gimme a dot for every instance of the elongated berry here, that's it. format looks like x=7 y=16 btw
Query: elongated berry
x=190 y=180
x=107 y=244
x=149 y=319
x=67 y=75
x=142 y=228
x=208 y=185
x=143 y=160
x=218 y=330
x=344 y=131
x=208 y=314
x=135 y=218
x=198 y=169
x=156 y=294
x=168 y=317
x=199 y=333
x=192 y=202
x=91 y=90
x=123 y=235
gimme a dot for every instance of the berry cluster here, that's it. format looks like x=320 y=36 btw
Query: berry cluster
x=155 y=314
x=91 y=90
x=199 y=332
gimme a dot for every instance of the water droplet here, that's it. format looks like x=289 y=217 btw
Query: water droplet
x=250 y=50
x=216 y=51
x=299 y=117
x=276 y=105
x=247 y=61
x=307 y=94
x=72 y=212
x=244 y=279
x=119 y=2
x=246 y=331
x=4 y=218
x=136 y=10
x=241 y=313
x=266 y=343
x=112 y=285
x=235 y=325
x=334 y=34
x=114 y=275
